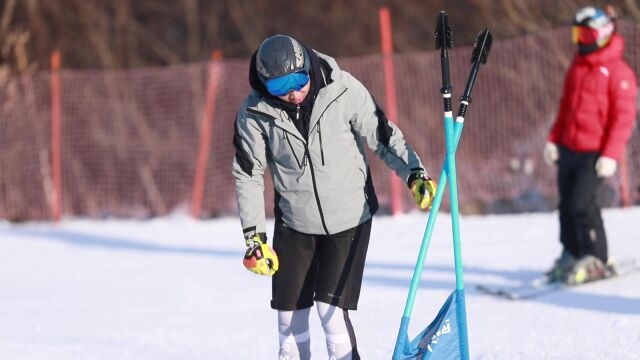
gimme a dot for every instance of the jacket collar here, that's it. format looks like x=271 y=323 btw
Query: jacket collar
x=614 y=50
x=324 y=99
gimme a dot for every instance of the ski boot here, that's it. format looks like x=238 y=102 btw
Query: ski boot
x=561 y=267
x=587 y=268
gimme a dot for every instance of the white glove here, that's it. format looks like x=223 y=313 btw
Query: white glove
x=550 y=153
x=606 y=166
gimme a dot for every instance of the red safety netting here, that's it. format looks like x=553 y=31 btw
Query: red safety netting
x=129 y=138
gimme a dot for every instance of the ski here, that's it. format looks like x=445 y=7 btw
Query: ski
x=543 y=284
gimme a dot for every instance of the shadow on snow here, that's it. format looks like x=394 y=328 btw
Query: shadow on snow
x=115 y=243
x=564 y=298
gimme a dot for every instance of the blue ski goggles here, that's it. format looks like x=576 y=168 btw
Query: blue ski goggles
x=281 y=85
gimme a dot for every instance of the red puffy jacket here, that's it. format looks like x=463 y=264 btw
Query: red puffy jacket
x=598 y=106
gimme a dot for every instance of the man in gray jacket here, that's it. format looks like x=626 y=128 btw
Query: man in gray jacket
x=308 y=120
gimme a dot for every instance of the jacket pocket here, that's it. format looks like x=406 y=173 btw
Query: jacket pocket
x=320 y=140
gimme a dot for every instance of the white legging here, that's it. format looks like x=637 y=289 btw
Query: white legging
x=295 y=341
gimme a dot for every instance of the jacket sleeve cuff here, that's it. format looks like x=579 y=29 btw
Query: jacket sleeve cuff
x=416 y=173
x=250 y=232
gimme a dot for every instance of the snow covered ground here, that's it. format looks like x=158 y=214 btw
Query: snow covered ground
x=174 y=288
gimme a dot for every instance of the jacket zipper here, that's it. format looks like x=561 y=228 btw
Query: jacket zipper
x=315 y=189
x=321 y=149
x=307 y=157
x=313 y=173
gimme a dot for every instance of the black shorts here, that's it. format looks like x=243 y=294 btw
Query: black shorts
x=325 y=268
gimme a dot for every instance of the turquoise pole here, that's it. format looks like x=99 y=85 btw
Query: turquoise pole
x=402 y=339
x=453 y=192
x=426 y=237
x=461 y=311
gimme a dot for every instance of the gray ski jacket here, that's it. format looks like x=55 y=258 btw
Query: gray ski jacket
x=320 y=183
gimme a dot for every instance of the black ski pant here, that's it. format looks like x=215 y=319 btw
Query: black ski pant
x=581 y=227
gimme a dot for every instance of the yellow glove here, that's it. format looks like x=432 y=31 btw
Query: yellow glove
x=260 y=258
x=423 y=189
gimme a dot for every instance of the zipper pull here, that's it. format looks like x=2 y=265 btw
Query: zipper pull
x=306 y=156
x=298 y=112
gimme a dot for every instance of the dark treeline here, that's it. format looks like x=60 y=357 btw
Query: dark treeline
x=135 y=33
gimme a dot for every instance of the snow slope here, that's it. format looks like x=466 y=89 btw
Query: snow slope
x=174 y=288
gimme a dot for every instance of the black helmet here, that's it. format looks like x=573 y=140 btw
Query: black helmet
x=281 y=55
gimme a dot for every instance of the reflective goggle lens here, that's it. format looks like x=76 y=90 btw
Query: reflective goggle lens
x=281 y=86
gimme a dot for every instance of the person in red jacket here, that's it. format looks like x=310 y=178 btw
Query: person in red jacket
x=594 y=122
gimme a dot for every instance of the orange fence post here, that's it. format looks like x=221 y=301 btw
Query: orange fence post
x=205 y=134
x=56 y=203
x=624 y=180
x=392 y=104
